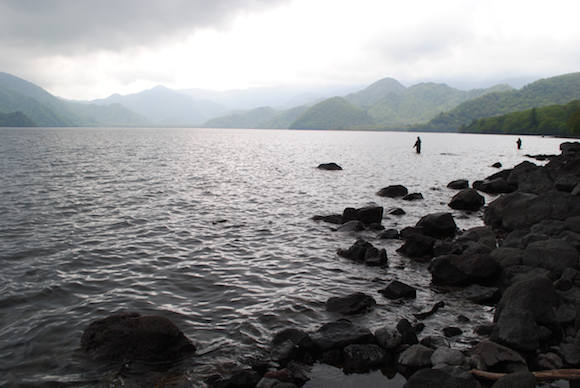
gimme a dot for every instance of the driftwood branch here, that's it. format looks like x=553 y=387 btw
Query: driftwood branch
x=543 y=375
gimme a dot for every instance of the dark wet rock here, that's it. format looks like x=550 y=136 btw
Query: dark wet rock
x=397 y=211
x=523 y=308
x=298 y=337
x=397 y=290
x=573 y=224
x=376 y=226
x=351 y=226
x=517 y=329
x=417 y=246
x=537 y=181
x=408 y=333
x=467 y=199
x=507 y=257
x=519 y=273
x=364 y=252
x=549 y=227
x=435 y=342
x=433 y=310
x=533 y=237
x=416 y=356
x=568 y=176
x=337 y=335
x=132 y=336
x=514 y=239
x=494 y=354
x=413 y=197
x=452 y=331
x=461 y=270
x=477 y=240
x=389 y=234
x=329 y=166
x=438 y=378
x=331 y=219
x=548 y=361
x=393 y=191
x=357 y=303
x=484 y=329
x=571 y=238
x=362 y=358
x=388 y=338
x=521 y=210
x=481 y=294
x=521 y=379
x=284 y=352
x=245 y=378
x=438 y=225
x=496 y=165
x=569 y=354
x=367 y=215
x=566 y=315
x=445 y=247
x=448 y=356
x=553 y=255
x=458 y=184
x=494 y=186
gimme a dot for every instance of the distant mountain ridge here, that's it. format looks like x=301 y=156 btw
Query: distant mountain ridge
x=161 y=105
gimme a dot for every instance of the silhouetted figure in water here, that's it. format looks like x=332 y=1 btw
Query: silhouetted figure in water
x=519 y=143
x=418 y=145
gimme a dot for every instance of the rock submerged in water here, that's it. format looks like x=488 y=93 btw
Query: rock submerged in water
x=132 y=336
x=467 y=199
x=393 y=191
x=364 y=252
x=329 y=166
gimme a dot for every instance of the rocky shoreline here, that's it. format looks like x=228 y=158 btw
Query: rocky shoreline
x=524 y=262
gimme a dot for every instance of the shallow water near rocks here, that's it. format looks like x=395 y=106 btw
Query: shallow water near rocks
x=212 y=229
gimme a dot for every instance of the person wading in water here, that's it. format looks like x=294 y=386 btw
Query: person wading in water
x=418 y=145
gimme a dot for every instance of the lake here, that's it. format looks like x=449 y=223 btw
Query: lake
x=213 y=229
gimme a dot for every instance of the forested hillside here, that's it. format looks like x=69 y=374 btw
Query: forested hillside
x=333 y=113
x=550 y=120
x=250 y=119
x=551 y=91
x=16 y=119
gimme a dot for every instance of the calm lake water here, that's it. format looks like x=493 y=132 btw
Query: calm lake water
x=212 y=229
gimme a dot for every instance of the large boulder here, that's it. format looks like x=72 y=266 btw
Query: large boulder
x=458 y=184
x=462 y=270
x=448 y=377
x=398 y=290
x=362 y=358
x=467 y=199
x=494 y=186
x=337 y=335
x=357 y=303
x=393 y=191
x=417 y=246
x=367 y=215
x=522 y=310
x=521 y=210
x=438 y=225
x=132 y=336
x=553 y=254
x=364 y=252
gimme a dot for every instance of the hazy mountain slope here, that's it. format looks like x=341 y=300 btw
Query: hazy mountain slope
x=420 y=103
x=333 y=113
x=283 y=120
x=375 y=91
x=165 y=106
x=16 y=119
x=544 y=92
x=250 y=119
x=111 y=115
x=62 y=114
x=13 y=101
x=275 y=96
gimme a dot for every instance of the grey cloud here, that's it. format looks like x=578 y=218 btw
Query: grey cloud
x=69 y=27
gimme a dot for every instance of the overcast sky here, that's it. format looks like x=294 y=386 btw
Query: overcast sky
x=87 y=49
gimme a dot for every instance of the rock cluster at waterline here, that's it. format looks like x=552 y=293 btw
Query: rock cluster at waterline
x=524 y=263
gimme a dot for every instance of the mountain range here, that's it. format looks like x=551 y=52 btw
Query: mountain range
x=385 y=104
